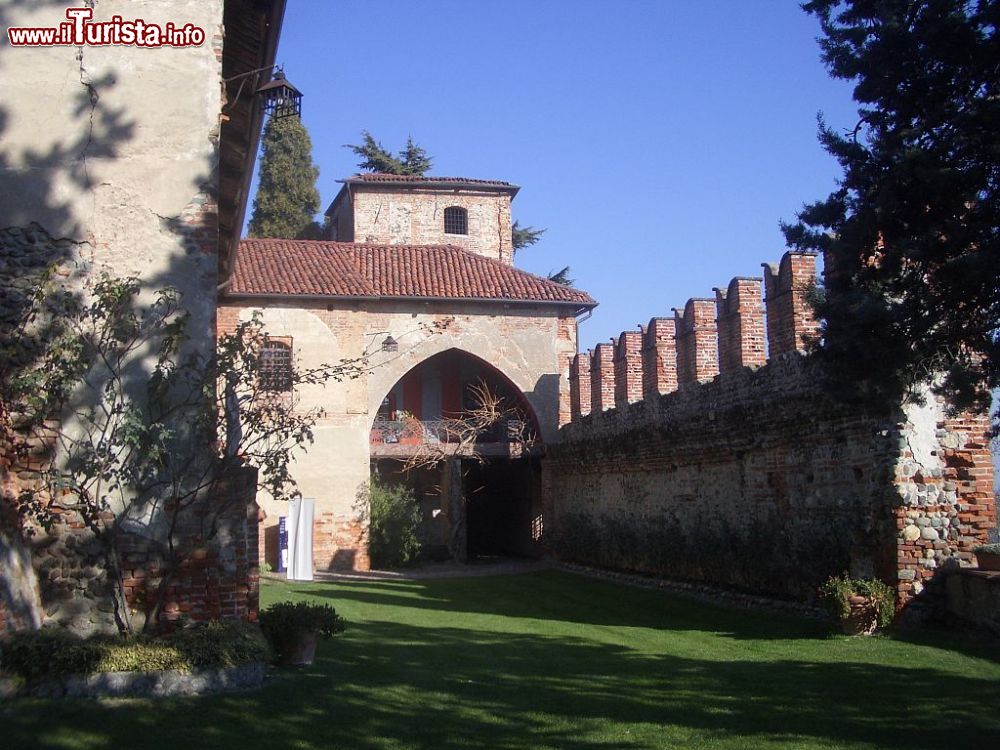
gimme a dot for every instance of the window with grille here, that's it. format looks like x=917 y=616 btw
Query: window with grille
x=276 y=365
x=456 y=220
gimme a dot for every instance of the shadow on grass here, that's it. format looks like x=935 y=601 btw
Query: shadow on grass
x=560 y=596
x=387 y=684
x=551 y=660
x=564 y=597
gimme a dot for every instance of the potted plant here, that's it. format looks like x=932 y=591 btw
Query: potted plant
x=412 y=432
x=292 y=628
x=863 y=605
x=988 y=556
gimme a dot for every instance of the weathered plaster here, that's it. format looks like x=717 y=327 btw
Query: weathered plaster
x=530 y=345
x=110 y=145
x=417 y=217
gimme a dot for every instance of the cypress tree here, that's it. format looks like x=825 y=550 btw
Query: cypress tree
x=287 y=198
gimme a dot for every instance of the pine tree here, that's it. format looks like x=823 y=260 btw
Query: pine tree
x=287 y=198
x=912 y=235
x=524 y=236
x=412 y=160
x=561 y=277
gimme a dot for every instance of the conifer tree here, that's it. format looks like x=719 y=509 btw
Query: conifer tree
x=561 y=277
x=287 y=198
x=412 y=160
x=912 y=235
x=524 y=236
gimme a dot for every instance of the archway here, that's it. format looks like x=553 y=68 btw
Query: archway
x=479 y=490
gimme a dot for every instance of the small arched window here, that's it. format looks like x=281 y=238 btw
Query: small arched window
x=456 y=220
x=276 y=365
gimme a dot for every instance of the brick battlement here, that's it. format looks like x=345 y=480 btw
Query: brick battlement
x=698 y=451
x=705 y=338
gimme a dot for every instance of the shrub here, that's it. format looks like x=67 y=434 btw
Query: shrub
x=989 y=549
x=836 y=593
x=285 y=623
x=52 y=652
x=394 y=519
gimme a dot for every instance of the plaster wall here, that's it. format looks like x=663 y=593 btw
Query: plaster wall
x=108 y=163
x=115 y=147
x=530 y=345
x=417 y=217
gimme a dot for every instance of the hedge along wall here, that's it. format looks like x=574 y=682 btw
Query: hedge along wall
x=743 y=472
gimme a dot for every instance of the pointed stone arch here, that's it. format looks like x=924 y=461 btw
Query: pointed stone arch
x=491 y=374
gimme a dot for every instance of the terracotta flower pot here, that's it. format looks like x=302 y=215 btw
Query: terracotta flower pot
x=299 y=652
x=988 y=560
x=863 y=618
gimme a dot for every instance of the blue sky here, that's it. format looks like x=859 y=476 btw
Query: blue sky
x=659 y=141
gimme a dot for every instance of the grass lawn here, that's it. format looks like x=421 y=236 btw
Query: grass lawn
x=552 y=660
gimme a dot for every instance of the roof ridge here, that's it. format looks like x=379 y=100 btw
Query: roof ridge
x=273 y=266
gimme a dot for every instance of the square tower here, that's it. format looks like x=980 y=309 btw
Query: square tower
x=389 y=209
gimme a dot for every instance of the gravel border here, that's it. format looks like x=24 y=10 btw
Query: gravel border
x=160 y=684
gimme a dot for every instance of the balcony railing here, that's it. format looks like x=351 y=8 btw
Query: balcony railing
x=431 y=431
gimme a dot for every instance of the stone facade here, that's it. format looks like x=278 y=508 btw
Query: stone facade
x=531 y=345
x=109 y=162
x=755 y=478
x=384 y=214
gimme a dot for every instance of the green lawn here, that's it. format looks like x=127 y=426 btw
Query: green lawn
x=552 y=660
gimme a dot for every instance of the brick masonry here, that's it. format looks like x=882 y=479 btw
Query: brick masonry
x=216 y=575
x=740 y=314
x=790 y=319
x=659 y=358
x=696 y=341
x=602 y=378
x=628 y=368
x=579 y=385
x=383 y=215
x=754 y=477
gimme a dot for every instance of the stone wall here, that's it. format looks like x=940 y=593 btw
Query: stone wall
x=108 y=162
x=531 y=345
x=72 y=566
x=416 y=217
x=742 y=471
x=973 y=597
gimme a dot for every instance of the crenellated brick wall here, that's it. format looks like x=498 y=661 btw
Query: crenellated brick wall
x=659 y=358
x=697 y=342
x=791 y=322
x=579 y=384
x=740 y=314
x=602 y=378
x=750 y=475
x=628 y=367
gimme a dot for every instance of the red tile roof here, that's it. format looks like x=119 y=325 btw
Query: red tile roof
x=272 y=267
x=385 y=177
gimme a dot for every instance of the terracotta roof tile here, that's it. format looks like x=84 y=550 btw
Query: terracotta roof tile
x=344 y=269
x=385 y=177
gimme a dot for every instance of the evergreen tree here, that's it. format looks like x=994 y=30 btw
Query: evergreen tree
x=561 y=277
x=912 y=235
x=524 y=236
x=412 y=160
x=287 y=198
